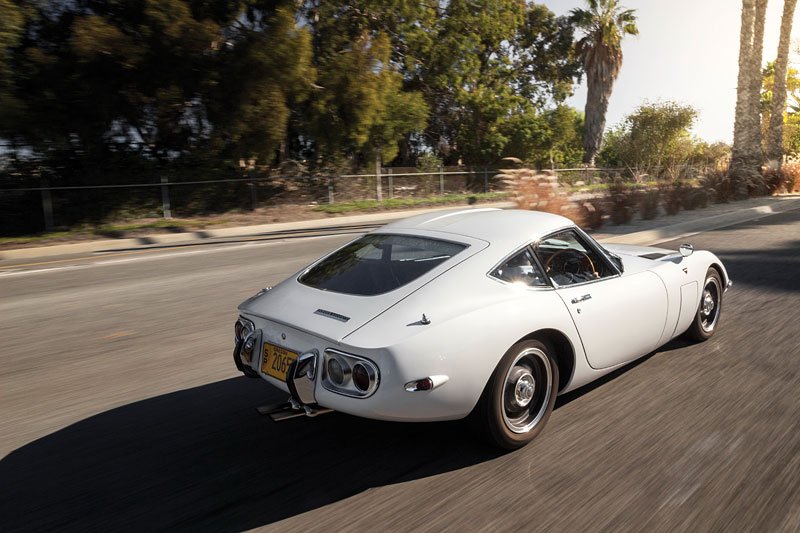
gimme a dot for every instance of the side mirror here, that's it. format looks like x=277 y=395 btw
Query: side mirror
x=686 y=250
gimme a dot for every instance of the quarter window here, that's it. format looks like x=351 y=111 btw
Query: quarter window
x=522 y=269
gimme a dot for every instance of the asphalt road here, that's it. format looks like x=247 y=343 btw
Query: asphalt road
x=120 y=409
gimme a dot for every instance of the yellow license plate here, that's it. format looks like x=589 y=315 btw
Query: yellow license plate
x=276 y=361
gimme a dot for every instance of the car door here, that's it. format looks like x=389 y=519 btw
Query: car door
x=619 y=317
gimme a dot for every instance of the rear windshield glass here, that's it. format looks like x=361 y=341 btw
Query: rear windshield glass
x=375 y=264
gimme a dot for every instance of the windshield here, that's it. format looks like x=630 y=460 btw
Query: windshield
x=375 y=264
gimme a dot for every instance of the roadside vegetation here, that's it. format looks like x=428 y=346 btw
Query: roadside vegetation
x=298 y=101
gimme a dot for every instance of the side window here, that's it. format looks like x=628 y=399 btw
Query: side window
x=568 y=259
x=521 y=268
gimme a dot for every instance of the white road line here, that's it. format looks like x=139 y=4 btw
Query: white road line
x=222 y=247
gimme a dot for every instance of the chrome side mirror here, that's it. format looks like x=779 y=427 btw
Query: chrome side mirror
x=686 y=250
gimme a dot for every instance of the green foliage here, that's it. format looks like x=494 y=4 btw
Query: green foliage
x=493 y=66
x=559 y=145
x=653 y=139
x=791 y=121
x=603 y=24
x=128 y=91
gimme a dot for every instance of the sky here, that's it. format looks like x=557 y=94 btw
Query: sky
x=687 y=51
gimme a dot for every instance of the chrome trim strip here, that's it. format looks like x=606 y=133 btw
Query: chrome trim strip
x=331 y=314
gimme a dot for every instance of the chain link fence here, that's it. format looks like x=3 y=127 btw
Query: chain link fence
x=48 y=207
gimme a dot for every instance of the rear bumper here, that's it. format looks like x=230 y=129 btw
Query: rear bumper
x=242 y=366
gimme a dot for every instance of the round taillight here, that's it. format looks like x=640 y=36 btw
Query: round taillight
x=335 y=371
x=361 y=377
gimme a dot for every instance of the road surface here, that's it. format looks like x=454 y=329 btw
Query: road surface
x=120 y=409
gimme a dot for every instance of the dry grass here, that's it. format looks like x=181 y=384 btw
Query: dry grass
x=542 y=192
x=791 y=175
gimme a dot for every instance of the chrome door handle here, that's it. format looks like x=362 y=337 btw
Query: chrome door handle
x=582 y=298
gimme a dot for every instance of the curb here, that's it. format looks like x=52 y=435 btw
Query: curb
x=644 y=237
x=692 y=227
x=107 y=245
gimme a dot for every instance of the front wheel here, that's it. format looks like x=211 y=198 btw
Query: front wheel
x=520 y=395
x=708 y=312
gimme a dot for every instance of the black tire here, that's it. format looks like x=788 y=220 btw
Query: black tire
x=519 y=396
x=706 y=320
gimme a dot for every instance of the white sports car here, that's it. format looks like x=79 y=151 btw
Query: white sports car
x=475 y=312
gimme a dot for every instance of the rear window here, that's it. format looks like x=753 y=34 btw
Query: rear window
x=375 y=264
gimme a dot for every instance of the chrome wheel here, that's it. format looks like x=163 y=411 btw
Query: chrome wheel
x=710 y=304
x=526 y=391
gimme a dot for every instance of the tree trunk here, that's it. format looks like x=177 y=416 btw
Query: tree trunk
x=775 y=131
x=595 y=115
x=756 y=78
x=743 y=152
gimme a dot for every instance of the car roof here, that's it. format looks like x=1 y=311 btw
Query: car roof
x=512 y=227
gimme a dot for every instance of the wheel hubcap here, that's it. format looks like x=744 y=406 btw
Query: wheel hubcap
x=710 y=304
x=523 y=392
x=527 y=389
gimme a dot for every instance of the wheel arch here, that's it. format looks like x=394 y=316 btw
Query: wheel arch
x=716 y=265
x=564 y=352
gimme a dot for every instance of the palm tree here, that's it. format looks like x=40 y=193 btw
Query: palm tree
x=604 y=25
x=775 y=131
x=746 y=153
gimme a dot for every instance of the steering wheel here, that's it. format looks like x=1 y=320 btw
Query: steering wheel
x=580 y=260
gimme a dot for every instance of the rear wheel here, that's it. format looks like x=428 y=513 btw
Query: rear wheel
x=708 y=312
x=519 y=397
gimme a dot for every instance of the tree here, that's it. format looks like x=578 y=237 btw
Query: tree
x=604 y=25
x=746 y=152
x=560 y=143
x=12 y=25
x=654 y=139
x=775 y=144
x=790 y=134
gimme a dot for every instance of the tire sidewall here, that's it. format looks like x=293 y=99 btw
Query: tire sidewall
x=696 y=330
x=497 y=430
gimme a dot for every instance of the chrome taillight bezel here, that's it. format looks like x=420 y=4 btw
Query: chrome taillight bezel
x=348 y=361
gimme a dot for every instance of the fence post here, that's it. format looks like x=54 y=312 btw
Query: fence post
x=391 y=183
x=253 y=195
x=441 y=180
x=485 y=180
x=47 y=207
x=165 y=198
x=378 y=175
x=330 y=189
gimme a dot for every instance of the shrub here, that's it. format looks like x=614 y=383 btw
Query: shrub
x=622 y=200
x=791 y=172
x=787 y=179
x=675 y=196
x=590 y=214
x=719 y=185
x=774 y=181
x=648 y=205
x=698 y=199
